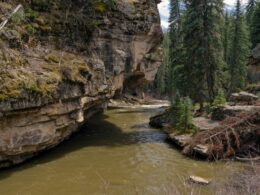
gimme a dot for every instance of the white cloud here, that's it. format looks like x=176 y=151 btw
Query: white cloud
x=233 y=2
x=164 y=10
x=164 y=24
x=230 y=2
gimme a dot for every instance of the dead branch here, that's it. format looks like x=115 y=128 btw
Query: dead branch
x=234 y=136
x=248 y=159
x=2 y=25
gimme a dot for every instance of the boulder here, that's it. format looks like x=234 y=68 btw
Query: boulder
x=220 y=113
x=243 y=97
x=181 y=140
x=161 y=120
x=201 y=149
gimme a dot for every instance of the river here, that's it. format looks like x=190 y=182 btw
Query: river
x=115 y=153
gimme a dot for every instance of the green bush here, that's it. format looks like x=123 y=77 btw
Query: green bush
x=182 y=114
x=18 y=17
x=31 y=14
x=220 y=99
x=184 y=123
x=30 y=29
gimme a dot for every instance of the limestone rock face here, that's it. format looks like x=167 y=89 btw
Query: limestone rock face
x=61 y=68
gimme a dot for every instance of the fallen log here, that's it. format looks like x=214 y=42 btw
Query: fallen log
x=248 y=159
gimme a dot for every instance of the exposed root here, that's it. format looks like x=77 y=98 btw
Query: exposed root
x=238 y=135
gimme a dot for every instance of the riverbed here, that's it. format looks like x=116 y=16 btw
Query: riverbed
x=115 y=153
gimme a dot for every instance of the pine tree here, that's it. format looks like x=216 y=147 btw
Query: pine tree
x=250 y=11
x=239 y=51
x=204 y=51
x=176 y=42
x=220 y=99
x=161 y=81
x=226 y=37
x=255 y=26
x=181 y=112
x=185 y=116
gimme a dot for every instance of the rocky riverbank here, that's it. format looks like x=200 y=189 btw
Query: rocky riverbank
x=230 y=131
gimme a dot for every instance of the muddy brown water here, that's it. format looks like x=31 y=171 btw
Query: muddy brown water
x=115 y=153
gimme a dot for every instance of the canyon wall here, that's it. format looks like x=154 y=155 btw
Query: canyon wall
x=62 y=60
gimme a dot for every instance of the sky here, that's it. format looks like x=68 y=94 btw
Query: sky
x=164 y=10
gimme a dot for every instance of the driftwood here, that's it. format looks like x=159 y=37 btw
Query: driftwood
x=248 y=159
x=2 y=25
x=199 y=180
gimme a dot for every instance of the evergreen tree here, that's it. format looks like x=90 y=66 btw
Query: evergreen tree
x=161 y=81
x=255 y=26
x=176 y=106
x=204 y=51
x=220 y=99
x=250 y=11
x=176 y=42
x=185 y=116
x=226 y=38
x=181 y=111
x=239 y=51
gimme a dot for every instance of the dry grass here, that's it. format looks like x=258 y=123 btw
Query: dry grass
x=245 y=182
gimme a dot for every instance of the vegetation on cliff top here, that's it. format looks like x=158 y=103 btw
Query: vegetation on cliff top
x=26 y=64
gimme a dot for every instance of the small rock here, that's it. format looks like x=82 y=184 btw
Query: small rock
x=181 y=140
x=201 y=149
x=199 y=180
x=161 y=120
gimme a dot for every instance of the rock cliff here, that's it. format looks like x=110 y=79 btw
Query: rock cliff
x=61 y=60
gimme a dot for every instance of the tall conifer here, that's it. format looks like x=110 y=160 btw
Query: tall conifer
x=239 y=50
x=250 y=10
x=255 y=26
x=176 y=42
x=203 y=45
x=226 y=37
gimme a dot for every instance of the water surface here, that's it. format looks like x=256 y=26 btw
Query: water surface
x=116 y=153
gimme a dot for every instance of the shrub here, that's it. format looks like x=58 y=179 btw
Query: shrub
x=30 y=29
x=182 y=114
x=31 y=14
x=185 y=115
x=18 y=17
x=220 y=99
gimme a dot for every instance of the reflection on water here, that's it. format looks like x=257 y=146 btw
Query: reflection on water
x=115 y=153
